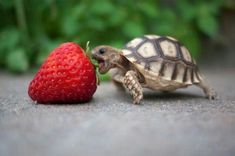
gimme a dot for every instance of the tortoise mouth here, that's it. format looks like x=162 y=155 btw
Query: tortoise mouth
x=103 y=64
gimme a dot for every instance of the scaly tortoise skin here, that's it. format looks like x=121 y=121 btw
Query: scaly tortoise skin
x=156 y=62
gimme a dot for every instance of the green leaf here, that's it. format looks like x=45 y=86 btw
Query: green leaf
x=104 y=77
x=69 y=25
x=192 y=41
x=163 y=29
x=9 y=38
x=117 y=43
x=169 y=15
x=187 y=10
x=148 y=9
x=79 y=10
x=229 y=4
x=97 y=24
x=17 y=61
x=133 y=29
x=102 y=7
x=7 y=3
x=118 y=18
x=208 y=25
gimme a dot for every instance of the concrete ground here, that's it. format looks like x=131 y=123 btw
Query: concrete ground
x=180 y=123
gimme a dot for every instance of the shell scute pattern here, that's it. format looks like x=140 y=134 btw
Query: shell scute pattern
x=162 y=56
x=147 y=50
x=169 y=68
x=155 y=67
x=168 y=49
x=134 y=42
x=186 y=55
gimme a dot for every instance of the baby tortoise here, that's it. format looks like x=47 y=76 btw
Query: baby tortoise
x=156 y=62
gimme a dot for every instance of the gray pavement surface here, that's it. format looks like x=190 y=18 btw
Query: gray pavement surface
x=180 y=123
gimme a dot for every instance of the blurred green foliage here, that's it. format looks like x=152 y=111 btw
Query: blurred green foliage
x=30 y=29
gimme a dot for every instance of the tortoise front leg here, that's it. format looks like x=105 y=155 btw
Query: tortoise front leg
x=131 y=83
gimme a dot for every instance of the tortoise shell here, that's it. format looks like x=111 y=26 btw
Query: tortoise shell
x=163 y=57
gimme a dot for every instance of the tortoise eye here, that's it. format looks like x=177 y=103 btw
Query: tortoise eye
x=102 y=51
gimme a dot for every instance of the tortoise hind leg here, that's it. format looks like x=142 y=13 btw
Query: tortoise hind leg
x=210 y=92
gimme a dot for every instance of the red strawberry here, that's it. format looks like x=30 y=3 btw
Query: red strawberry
x=67 y=76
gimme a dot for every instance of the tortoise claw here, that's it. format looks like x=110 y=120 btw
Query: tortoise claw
x=137 y=99
x=211 y=94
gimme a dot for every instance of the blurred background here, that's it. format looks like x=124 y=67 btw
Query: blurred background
x=30 y=29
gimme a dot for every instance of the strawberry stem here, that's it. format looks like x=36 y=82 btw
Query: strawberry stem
x=88 y=53
x=87 y=47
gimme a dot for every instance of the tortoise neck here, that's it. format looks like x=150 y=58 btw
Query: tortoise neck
x=123 y=63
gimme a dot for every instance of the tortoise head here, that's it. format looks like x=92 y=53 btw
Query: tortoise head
x=107 y=57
